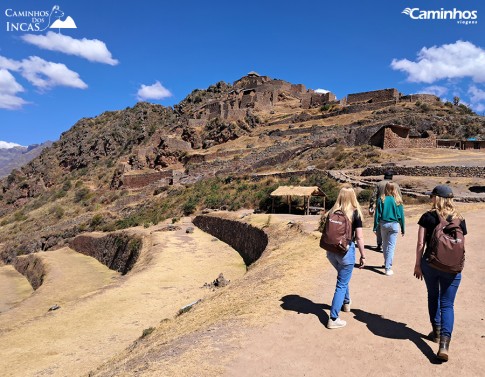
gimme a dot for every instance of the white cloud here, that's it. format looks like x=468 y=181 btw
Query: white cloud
x=476 y=94
x=438 y=91
x=9 y=88
x=7 y=145
x=477 y=98
x=457 y=60
x=8 y=84
x=155 y=91
x=93 y=50
x=44 y=74
x=480 y=108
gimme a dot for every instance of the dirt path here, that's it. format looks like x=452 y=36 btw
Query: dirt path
x=385 y=329
x=99 y=322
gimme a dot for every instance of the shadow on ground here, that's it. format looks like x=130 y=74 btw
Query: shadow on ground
x=376 y=269
x=373 y=248
x=378 y=325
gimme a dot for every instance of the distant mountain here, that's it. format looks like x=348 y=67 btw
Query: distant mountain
x=14 y=156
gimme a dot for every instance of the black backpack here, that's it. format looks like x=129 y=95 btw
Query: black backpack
x=337 y=233
x=447 y=246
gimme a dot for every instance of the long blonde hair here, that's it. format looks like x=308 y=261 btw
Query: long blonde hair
x=347 y=202
x=391 y=190
x=445 y=207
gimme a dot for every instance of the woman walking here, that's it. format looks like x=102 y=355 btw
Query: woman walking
x=442 y=286
x=344 y=264
x=389 y=216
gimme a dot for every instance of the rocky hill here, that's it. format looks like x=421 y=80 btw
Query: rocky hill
x=143 y=164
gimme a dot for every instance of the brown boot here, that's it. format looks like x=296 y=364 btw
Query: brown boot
x=444 y=346
x=434 y=335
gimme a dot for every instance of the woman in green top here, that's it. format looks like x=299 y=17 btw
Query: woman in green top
x=389 y=215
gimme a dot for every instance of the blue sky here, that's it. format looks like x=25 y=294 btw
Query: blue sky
x=159 y=51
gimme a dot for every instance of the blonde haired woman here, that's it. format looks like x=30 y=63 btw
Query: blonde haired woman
x=389 y=216
x=344 y=264
x=441 y=286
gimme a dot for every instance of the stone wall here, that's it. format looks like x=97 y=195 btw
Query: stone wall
x=358 y=107
x=134 y=180
x=310 y=99
x=174 y=144
x=32 y=268
x=197 y=122
x=429 y=98
x=434 y=171
x=374 y=96
x=394 y=140
x=117 y=251
x=248 y=241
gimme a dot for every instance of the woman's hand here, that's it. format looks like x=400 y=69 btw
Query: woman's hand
x=362 y=262
x=417 y=272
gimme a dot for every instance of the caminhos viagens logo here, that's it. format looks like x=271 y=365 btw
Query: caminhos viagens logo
x=38 y=20
x=464 y=17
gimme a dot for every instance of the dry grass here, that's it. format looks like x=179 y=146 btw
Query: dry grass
x=179 y=347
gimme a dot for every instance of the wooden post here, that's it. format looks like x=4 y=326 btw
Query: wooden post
x=289 y=203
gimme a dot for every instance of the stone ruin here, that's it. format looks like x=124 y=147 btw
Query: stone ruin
x=159 y=163
x=386 y=96
x=259 y=93
x=398 y=136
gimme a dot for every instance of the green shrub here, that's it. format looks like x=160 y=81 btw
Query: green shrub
x=189 y=206
x=147 y=331
x=57 y=211
x=364 y=196
x=425 y=107
x=19 y=216
x=82 y=195
x=96 y=221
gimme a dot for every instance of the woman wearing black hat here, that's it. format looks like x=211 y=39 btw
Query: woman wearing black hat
x=442 y=286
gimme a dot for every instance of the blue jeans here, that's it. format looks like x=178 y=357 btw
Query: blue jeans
x=344 y=266
x=389 y=233
x=442 y=288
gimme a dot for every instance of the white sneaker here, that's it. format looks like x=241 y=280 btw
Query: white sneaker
x=346 y=306
x=336 y=324
x=389 y=272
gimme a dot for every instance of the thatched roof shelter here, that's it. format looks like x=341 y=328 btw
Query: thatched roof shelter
x=306 y=191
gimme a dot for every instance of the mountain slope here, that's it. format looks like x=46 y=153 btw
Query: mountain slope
x=138 y=165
